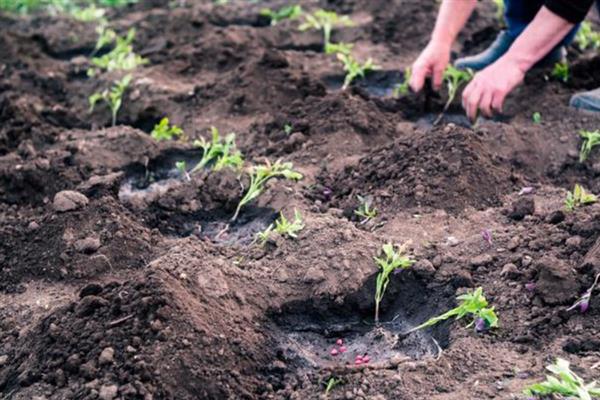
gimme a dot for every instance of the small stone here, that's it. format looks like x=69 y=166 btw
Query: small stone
x=108 y=392
x=33 y=226
x=69 y=200
x=452 y=241
x=556 y=284
x=526 y=261
x=88 y=245
x=510 y=271
x=424 y=268
x=107 y=356
x=481 y=260
x=514 y=243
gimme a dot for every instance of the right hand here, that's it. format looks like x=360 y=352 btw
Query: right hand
x=432 y=63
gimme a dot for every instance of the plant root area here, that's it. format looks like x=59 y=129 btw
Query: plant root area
x=122 y=279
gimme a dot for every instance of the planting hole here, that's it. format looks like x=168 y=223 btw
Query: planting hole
x=374 y=84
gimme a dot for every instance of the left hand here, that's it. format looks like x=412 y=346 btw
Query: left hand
x=490 y=86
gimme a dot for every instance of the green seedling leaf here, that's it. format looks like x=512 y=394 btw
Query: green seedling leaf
x=112 y=97
x=182 y=168
x=220 y=152
x=564 y=383
x=331 y=384
x=283 y=227
x=364 y=210
x=164 y=131
x=537 y=118
x=342 y=48
x=287 y=12
x=578 y=197
x=390 y=260
x=288 y=129
x=587 y=38
x=590 y=140
x=402 y=89
x=472 y=304
x=454 y=78
x=120 y=58
x=354 y=69
x=260 y=175
x=325 y=21
x=561 y=71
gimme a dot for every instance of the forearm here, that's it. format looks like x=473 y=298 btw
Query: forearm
x=541 y=36
x=451 y=19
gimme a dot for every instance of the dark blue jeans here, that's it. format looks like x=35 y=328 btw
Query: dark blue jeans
x=519 y=13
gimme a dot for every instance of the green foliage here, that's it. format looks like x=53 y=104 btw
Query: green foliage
x=182 y=168
x=537 y=118
x=561 y=71
x=587 y=37
x=74 y=7
x=90 y=13
x=112 y=97
x=590 y=140
x=389 y=261
x=325 y=21
x=564 y=382
x=331 y=384
x=283 y=227
x=364 y=210
x=164 y=131
x=338 y=48
x=354 y=69
x=287 y=12
x=260 y=175
x=499 y=10
x=455 y=78
x=403 y=88
x=120 y=58
x=288 y=129
x=472 y=304
x=221 y=152
x=578 y=197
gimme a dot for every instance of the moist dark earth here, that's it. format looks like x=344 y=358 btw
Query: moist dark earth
x=118 y=281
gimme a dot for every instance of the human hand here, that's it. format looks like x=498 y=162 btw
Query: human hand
x=490 y=86
x=431 y=63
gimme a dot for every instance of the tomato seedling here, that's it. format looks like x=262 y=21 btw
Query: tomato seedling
x=113 y=97
x=331 y=384
x=364 y=210
x=390 y=260
x=325 y=21
x=354 y=69
x=120 y=58
x=587 y=37
x=564 y=383
x=287 y=12
x=403 y=88
x=338 y=48
x=283 y=227
x=164 y=131
x=590 y=140
x=220 y=152
x=536 y=118
x=578 y=197
x=561 y=71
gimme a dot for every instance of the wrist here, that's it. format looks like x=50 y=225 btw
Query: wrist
x=440 y=43
x=522 y=62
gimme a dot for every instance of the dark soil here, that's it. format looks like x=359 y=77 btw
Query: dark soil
x=122 y=278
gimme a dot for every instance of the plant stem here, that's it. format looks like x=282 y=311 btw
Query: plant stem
x=376 y=311
x=114 y=118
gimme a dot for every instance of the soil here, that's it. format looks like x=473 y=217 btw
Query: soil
x=122 y=278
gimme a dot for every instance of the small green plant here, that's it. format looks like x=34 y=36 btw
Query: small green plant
x=120 y=58
x=454 y=78
x=472 y=304
x=112 y=97
x=403 y=88
x=182 y=168
x=283 y=227
x=164 y=131
x=578 y=197
x=364 y=210
x=587 y=37
x=90 y=13
x=263 y=236
x=222 y=152
x=288 y=129
x=287 y=12
x=537 y=118
x=331 y=384
x=563 y=383
x=338 y=48
x=390 y=260
x=354 y=69
x=260 y=175
x=325 y=21
x=590 y=140
x=561 y=71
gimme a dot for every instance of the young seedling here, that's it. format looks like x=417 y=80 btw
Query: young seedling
x=472 y=304
x=331 y=384
x=287 y=12
x=590 y=140
x=563 y=383
x=288 y=129
x=264 y=236
x=338 y=48
x=364 y=210
x=182 y=168
x=561 y=71
x=113 y=97
x=283 y=227
x=537 y=118
x=325 y=21
x=120 y=58
x=90 y=13
x=587 y=37
x=578 y=197
x=584 y=301
x=403 y=88
x=164 y=131
x=354 y=69
x=389 y=261
x=260 y=175
x=220 y=152
x=454 y=78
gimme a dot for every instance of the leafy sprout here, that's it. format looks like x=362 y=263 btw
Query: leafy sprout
x=537 y=118
x=331 y=384
x=563 y=382
x=561 y=71
x=222 y=152
x=403 y=88
x=354 y=69
x=325 y=21
x=260 y=175
x=335 y=48
x=283 y=227
x=578 y=197
x=113 y=97
x=364 y=210
x=590 y=140
x=120 y=58
x=473 y=304
x=455 y=78
x=390 y=260
x=287 y=12
x=164 y=131
x=587 y=37
x=182 y=168
x=288 y=129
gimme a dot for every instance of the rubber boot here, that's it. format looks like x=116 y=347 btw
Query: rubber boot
x=588 y=101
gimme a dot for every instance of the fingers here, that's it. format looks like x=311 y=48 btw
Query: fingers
x=498 y=101
x=471 y=98
x=485 y=103
x=417 y=79
x=438 y=75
